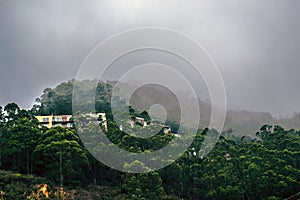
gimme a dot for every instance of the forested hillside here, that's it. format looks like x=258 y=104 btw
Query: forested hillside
x=264 y=167
x=58 y=100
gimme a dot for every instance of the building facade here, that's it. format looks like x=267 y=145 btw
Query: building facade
x=67 y=121
x=56 y=120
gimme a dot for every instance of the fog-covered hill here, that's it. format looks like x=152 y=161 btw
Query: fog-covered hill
x=58 y=100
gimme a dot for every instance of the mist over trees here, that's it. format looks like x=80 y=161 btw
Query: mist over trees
x=58 y=100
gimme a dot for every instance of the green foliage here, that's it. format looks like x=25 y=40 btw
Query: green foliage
x=143 y=186
x=18 y=139
x=58 y=101
x=60 y=155
x=265 y=167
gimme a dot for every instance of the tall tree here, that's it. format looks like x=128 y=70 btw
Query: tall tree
x=18 y=139
x=60 y=155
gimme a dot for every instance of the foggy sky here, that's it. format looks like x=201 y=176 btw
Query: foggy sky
x=256 y=44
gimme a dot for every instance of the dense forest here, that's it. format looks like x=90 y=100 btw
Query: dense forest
x=262 y=165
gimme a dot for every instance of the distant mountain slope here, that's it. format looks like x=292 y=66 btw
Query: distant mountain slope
x=247 y=122
x=292 y=122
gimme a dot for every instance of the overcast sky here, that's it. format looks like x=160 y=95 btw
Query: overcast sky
x=256 y=44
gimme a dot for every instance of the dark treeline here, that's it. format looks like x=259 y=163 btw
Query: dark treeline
x=264 y=167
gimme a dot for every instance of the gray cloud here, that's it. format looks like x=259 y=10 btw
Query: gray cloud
x=256 y=44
